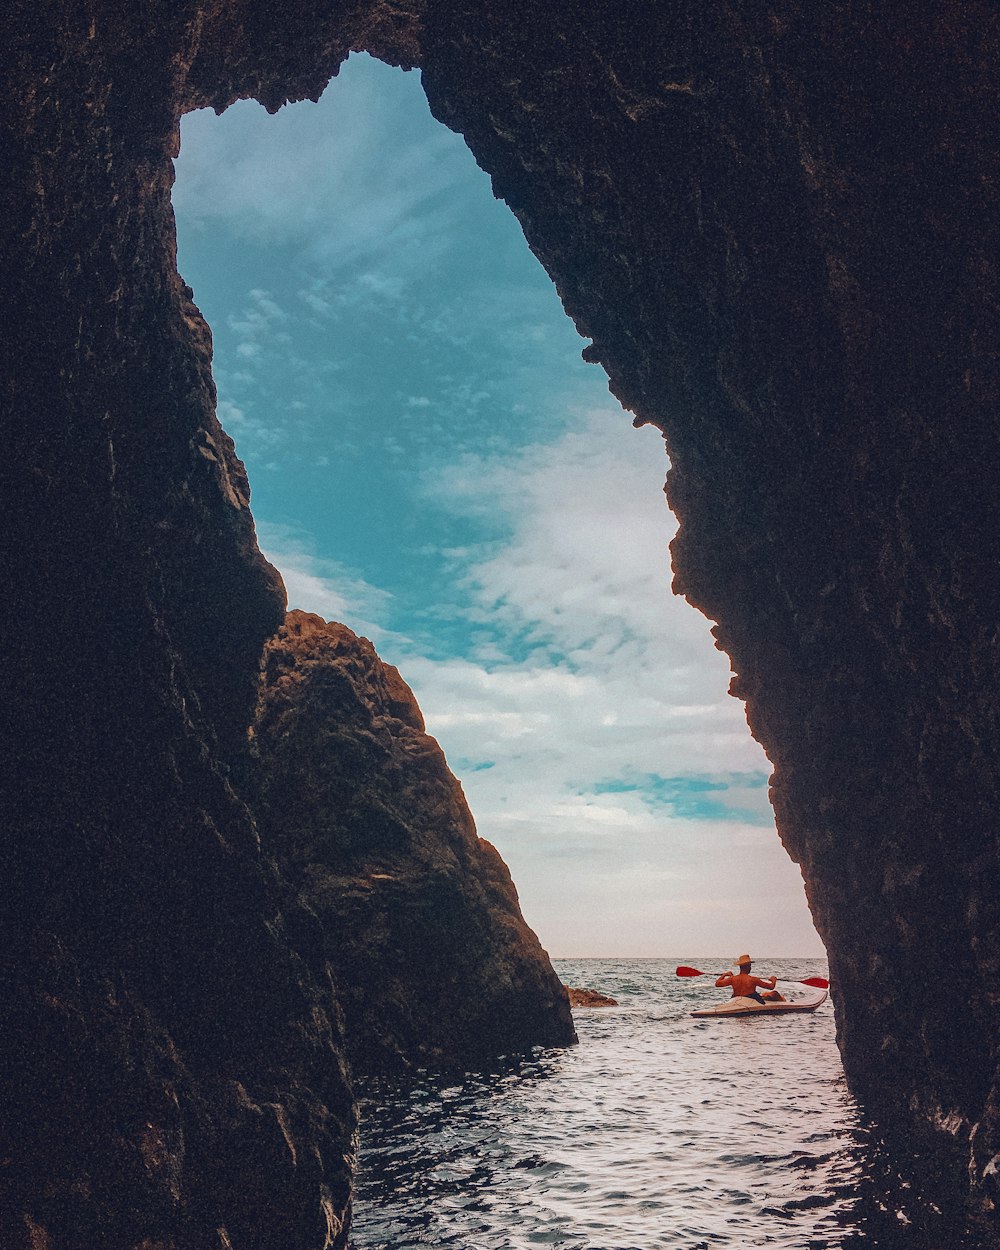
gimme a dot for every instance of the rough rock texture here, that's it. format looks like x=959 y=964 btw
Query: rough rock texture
x=170 y=1070
x=589 y=998
x=777 y=224
x=433 y=962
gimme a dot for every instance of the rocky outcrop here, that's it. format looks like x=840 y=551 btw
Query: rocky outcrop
x=776 y=225
x=588 y=998
x=434 y=964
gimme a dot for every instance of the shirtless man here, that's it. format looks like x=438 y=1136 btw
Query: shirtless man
x=745 y=986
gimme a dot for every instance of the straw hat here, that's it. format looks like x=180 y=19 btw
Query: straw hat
x=743 y=959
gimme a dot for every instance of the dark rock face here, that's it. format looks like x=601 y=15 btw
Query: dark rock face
x=170 y=1070
x=776 y=223
x=433 y=962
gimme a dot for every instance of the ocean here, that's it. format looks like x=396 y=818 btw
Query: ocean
x=658 y=1130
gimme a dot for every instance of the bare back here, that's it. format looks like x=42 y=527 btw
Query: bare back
x=744 y=984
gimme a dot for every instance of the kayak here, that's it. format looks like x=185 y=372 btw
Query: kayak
x=751 y=1007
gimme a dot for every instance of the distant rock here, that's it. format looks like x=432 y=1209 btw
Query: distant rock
x=588 y=998
x=418 y=916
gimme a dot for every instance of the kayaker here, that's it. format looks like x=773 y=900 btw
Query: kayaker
x=746 y=986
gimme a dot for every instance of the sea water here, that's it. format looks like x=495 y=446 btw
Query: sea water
x=657 y=1130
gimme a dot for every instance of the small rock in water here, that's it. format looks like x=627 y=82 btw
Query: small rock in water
x=589 y=998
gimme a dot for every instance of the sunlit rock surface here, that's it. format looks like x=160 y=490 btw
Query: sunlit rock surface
x=433 y=962
x=588 y=998
x=777 y=225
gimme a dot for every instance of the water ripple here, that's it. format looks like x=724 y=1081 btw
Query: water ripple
x=657 y=1132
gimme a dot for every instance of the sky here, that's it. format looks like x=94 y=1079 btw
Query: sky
x=433 y=464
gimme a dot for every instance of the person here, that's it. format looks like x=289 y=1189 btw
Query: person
x=746 y=986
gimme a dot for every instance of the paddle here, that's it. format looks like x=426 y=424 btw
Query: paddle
x=817 y=982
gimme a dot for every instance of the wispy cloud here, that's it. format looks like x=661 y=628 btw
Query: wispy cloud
x=317 y=180
x=583 y=572
x=599 y=748
x=324 y=586
x=258 y=325
x=740 y=797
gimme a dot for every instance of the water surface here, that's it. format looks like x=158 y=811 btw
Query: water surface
x=658 y=1130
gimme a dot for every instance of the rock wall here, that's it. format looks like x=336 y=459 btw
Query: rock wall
x=776 y=224
x=170 y=1069
x=434 y=964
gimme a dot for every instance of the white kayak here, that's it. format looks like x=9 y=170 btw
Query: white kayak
x=751 y=1007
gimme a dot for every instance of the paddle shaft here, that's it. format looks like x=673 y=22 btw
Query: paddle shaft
x=819 y=983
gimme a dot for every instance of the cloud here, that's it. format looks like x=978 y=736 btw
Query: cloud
x=324 y=586
x=317 y=179
x=256 y=325
x=589 y=720
x=600 y=704
x=245 y=428
x=739 y=797
x=582 y=574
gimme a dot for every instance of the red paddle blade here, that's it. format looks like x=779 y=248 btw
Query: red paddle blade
x=819 y=982
x=684 y=971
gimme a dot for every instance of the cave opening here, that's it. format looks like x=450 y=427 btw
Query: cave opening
x=433 y=464
x=810 y=332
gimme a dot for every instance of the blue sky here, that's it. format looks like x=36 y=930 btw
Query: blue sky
x=432 y=463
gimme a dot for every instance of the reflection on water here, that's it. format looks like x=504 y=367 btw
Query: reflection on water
x=656 y=1131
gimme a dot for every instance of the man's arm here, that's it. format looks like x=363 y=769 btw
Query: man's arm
x=766 y=983
x=725 y=979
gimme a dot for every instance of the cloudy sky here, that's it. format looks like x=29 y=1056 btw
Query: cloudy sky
x=433 y=464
